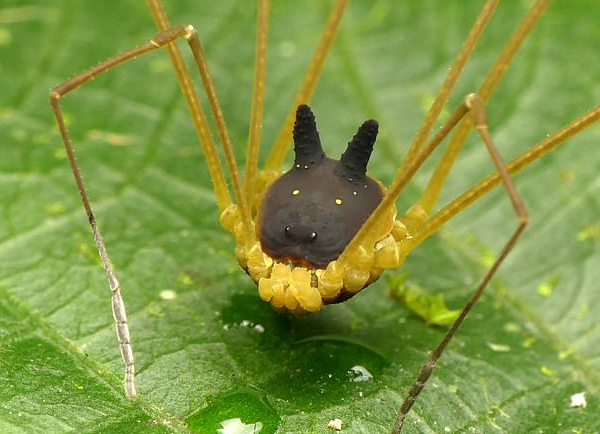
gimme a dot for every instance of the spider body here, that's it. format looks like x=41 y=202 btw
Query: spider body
x=310 y=213
x=306 y=219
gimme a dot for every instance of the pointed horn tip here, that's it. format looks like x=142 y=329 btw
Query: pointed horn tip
x=303 y=110
x=370 y=126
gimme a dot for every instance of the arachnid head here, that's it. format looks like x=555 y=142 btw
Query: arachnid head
x=306 y=219
x=310 y=213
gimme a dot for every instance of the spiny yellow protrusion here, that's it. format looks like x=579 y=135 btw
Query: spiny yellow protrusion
x=272 y=289
x=355 y=279
x=330 y=280
x=307 y=296
x=259 y=264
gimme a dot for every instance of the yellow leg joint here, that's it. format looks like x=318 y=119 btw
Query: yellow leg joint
x=330 y=280
x=386 y=253
x=259 y=265
x=415 y=218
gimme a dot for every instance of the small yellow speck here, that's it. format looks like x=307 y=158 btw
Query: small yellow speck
x=528 y=342
x=296 y=192
x=547 y=371
x=354 y=193
x=185 y=279
x=306 y=166
x=565 y=354
x=591 y=231
x=338 y=201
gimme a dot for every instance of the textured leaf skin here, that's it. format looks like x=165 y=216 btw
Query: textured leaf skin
x=200 y=357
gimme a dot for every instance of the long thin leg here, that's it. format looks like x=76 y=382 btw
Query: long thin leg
x=119 y=312
x=201 y=125
x=258 y=92
x=311 y=78
x=236 y=179
x=197 y=113
x=450 y=81
x=477 y=111
x=485 y=91
x=416 y=149
x=352 y=253
x=485 y=185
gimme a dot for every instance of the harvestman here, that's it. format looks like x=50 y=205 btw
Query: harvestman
x=287 y=252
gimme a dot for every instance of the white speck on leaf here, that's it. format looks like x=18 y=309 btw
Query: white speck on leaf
x=335 y=424
x=167 y=294
x=359 y=374
x=578 y=400
x=236 y=426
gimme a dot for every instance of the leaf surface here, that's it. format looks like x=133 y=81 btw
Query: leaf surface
x=207 y=348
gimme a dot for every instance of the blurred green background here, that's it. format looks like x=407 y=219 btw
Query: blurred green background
x=215 y=351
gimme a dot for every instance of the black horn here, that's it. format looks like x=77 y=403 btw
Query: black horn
x=307 y=144
x=354 y=160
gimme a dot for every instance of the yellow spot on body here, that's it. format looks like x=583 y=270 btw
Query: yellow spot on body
x=296 y=192
x=354 y=193
x=306 y=167
x=338 y=201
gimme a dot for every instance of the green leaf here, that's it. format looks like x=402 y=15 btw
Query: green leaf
x=207 y=348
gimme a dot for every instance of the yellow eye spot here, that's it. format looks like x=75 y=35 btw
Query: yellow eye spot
x=296 y=192
x=338 y=201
